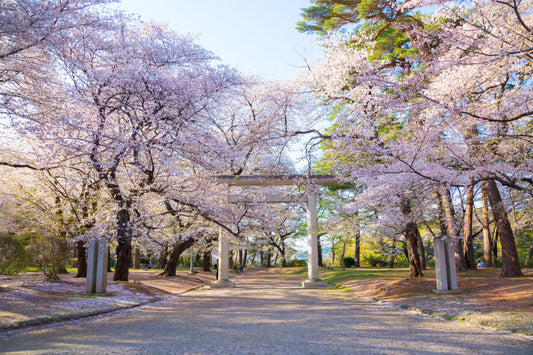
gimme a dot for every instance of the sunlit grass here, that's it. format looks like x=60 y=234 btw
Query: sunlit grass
x=337 y=275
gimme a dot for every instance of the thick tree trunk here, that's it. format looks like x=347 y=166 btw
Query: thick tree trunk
x=442 y=218
x=510 y=262
x=123 y=250
x=262 y=258
x=470 y=254
x=163 y=254
x=411 y=237
x=206 y=260
x=245 y=257
x=178 y=248
x=82 y=260
x=240 y=256
x=268 y=258
x=357 y=255
x=421 y=251
x=453 y=230
x=137 y=259
x=487 y=244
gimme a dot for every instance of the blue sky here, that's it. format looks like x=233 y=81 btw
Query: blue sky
x=257 y=37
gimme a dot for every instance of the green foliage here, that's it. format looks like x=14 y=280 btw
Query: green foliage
x=13 y=256
x=50 y=253
x=373 y=259
x=298 y=263
x=401 y=261
x=349 y=261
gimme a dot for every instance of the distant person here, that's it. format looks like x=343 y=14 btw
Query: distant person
x=241 y=267
x=481 y=264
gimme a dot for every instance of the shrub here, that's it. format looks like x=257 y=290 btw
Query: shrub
x=13 y=256
x=298 y=263
x=51 y=255
x=373 y=259
x=349 y=261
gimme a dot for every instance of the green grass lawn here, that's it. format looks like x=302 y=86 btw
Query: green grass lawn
x=337 y=275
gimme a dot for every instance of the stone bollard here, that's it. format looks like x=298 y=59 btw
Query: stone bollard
x=96 y=281
x=445 y=272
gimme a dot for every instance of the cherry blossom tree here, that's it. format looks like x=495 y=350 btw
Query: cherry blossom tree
x=438 y=99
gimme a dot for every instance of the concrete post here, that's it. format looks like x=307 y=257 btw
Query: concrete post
x=312 y=244
x=90 y=280
x=312 y=240
x=451 y=269
x=223 y=262
x=445 y=272
x=96 y=281
x=101 y=266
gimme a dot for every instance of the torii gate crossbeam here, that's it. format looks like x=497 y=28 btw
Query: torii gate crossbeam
x=312 y=225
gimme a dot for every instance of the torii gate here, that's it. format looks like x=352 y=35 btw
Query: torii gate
x=312 y=241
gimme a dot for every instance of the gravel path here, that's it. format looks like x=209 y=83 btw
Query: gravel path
x=268 y=313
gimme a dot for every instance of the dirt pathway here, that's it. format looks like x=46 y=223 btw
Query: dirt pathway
x=268 y=313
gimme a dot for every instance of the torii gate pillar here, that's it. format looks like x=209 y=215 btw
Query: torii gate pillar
x=223 y=262
x=312 y=245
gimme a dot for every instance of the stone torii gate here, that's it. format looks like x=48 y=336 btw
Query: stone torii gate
x=278 y=180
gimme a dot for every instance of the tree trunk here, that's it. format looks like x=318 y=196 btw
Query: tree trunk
x=411 y=233
x=82 y=260
x=240 y=256
x=453 y=230
x=470 y=254
x=320 y=263
x=109 y=260
x=163 y=254
x=495 y=245
x=510 y=262
x=411 y=237
x=178 y=248
x=343 y=267
x=206 y=260
x=123 y=250
x=268 y=257
x=357 y=255
x=421 y=250
x=487 y=244
x=262 y=258
x=392 y=257
x=282 y=252
x=245 y=257
x=137 y=259
x=254 y=255
x=442 y=218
